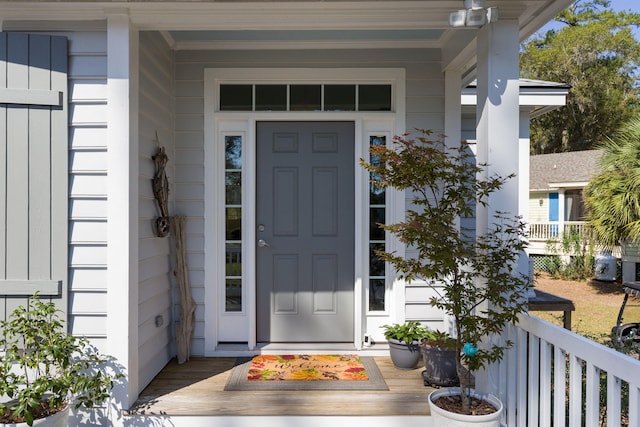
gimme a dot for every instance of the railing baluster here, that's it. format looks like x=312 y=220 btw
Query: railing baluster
x=575 y=391
x=545 y=384
x=634 y=405
x=512 y=377
x=522 y=379
x=614 y=400
x=592 y=401
x=534 y=379
x=559 y=386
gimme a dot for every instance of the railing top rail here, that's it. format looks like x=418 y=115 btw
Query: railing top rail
x=618 y=364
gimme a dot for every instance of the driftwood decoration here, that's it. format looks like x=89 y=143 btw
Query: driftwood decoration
x=160 y=185
x=187 y=305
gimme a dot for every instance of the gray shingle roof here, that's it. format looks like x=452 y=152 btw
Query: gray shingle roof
x=574 y=166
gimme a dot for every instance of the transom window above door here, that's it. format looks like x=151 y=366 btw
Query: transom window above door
x=305 y=97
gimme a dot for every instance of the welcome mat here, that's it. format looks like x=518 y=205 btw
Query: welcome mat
x=306 y=372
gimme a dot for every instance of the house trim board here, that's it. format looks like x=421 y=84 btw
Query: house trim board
x=218 y=124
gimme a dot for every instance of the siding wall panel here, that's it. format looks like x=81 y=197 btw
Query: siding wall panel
x=87 y=279
x=156 y=122
x=87 y=90
x=88 y=160
x=88 y=136
x=84 y=231
x=85 y=208
x=88 y=184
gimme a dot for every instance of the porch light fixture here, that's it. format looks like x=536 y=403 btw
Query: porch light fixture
x=474 y=14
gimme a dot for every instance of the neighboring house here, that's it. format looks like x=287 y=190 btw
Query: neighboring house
x=264 y=109
x=556 y=185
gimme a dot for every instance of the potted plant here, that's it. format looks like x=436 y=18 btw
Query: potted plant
x=472 y=272
x=439 y=356
x=44 y=370
x=404 y=343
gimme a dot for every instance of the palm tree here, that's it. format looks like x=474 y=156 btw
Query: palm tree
x=613 y=197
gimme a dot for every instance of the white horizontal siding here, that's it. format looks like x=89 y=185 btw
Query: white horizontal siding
x=89 y=303
x=538 y=212
x=88 y=136
x=156 y=105
x=87 y=279
x=88 y=90
x=418 y=307
x=88 y=208
x=424 y=106
x=88 y=324
x=87 y=184
x=88 y=255
x=84 y=160
x=83 y=231
x=87 y=113
x=87 y=181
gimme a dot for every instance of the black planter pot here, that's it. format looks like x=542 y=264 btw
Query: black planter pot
x=440 y=366
x=403 y=355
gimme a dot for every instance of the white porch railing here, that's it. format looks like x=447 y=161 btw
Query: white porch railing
x=553 y=377
x=553 y=230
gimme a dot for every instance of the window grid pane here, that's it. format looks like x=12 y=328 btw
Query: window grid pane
x=305 y=97
x=233 y=223
x=377 y=216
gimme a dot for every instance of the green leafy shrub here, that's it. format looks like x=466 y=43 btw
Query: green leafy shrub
x=43 y=369
x=407 y=332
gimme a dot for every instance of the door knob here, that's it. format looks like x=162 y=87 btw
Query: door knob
x=262 y=244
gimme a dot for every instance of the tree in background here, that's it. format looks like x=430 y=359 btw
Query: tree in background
x=596 y=54
x=613 y=197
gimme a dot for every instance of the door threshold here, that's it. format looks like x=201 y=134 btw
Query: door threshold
x=308 y=348
x=241 y=349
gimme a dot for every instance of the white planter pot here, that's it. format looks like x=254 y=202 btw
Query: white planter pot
x=442 y=418
x=59 y=419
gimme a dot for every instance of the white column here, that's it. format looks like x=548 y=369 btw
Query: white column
x=523 y=164
x=525 y=263
x=453 y=134
x=561 y=212
x=122 y=193
x=498 y=112
x=452 y=107
x=497 y=133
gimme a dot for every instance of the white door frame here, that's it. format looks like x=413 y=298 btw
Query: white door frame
x=240 y=326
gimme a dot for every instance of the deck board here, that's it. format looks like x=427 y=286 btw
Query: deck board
x=197 y=389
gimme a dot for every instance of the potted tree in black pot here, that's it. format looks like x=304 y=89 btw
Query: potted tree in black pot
x=439 y=356
x=472 y=273
x=44 y=371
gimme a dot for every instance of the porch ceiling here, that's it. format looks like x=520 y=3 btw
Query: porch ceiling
x=292 y=24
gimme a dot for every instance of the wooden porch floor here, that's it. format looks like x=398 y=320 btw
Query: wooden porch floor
x=196 y=388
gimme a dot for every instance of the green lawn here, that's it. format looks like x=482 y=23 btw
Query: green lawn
x=597 y=305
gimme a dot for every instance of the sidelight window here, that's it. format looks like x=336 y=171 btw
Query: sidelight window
x=377 y=216
x=233 y=223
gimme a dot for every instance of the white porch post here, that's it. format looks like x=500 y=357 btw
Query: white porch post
x=562 y=215
x=452 y=131
x=525 y=263
x=122 y=193
x=523 y=164
x=452 y=107
x=497 y=132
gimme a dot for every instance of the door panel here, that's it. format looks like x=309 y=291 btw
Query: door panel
x=305 y=215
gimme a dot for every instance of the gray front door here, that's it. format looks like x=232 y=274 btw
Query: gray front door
x=305 y=220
